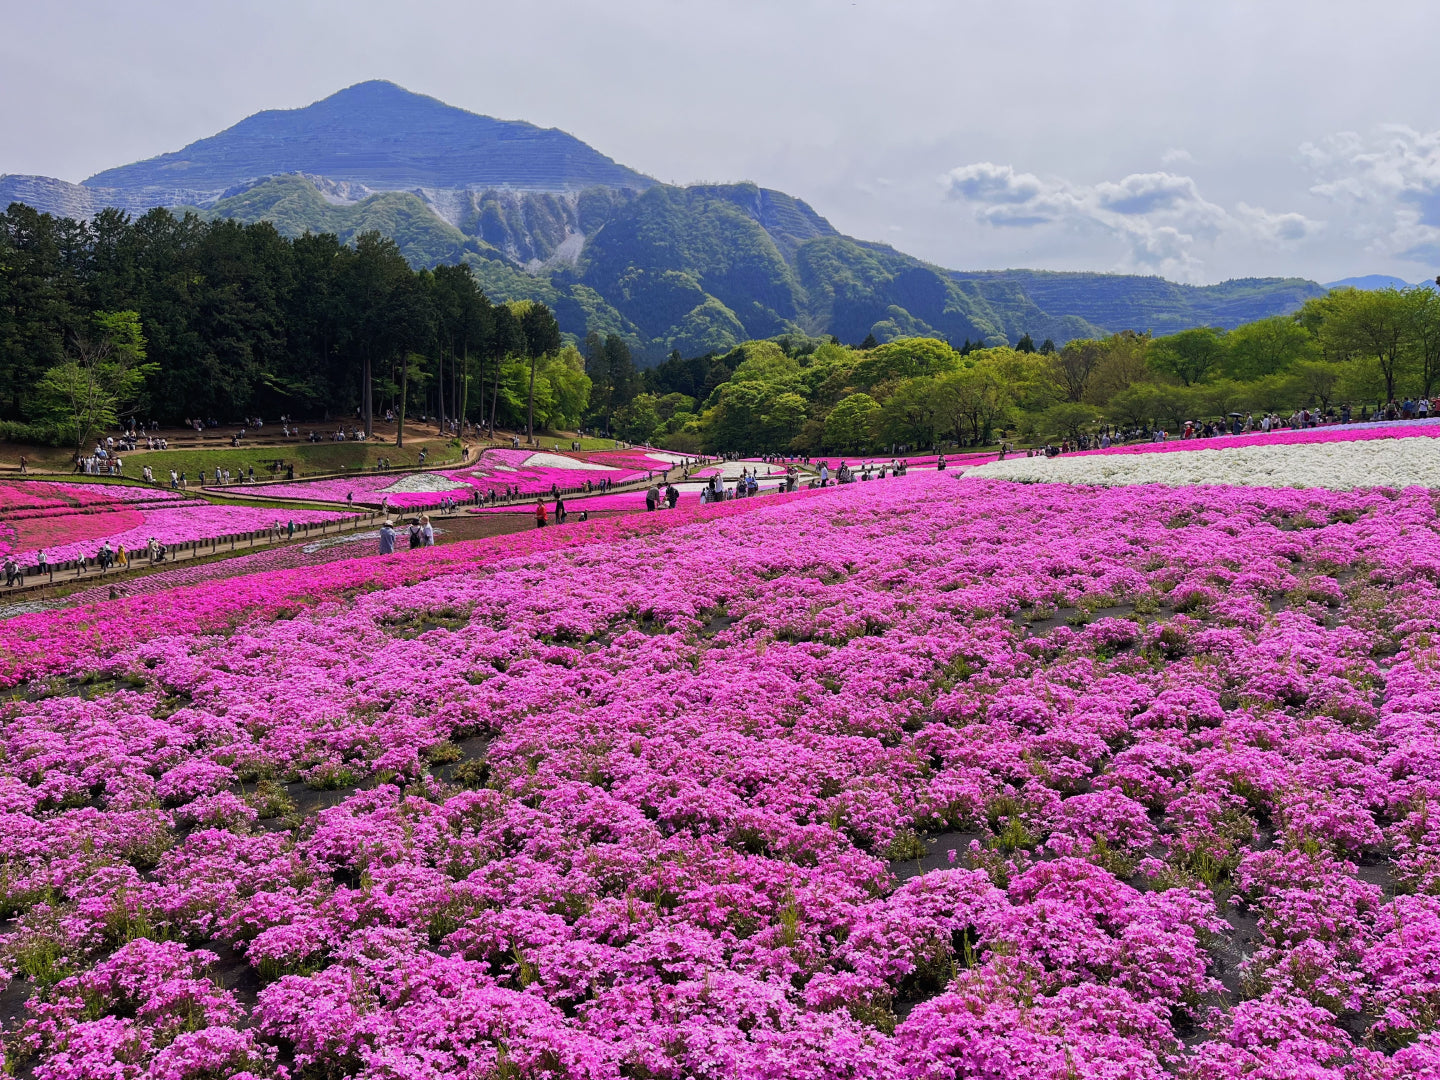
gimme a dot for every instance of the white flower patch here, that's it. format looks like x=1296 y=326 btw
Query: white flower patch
x=558 y=461
x=1340 y=466
x=667 y=457
x=424 y=483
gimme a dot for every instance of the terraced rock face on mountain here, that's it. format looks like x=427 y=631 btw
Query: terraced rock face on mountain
x=540 y=215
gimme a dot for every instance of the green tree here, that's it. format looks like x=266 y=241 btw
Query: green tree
x=639 y=420
x=1190 y=356
x=908 y=416
x=1070 y=419
x=1422 y=308
x=905 y=358
x=850 y=426
x=1266 y=347
x=1373 y=323
x=1123 y=363
x=781 y=419
x=100 y=379
x=1074 y=366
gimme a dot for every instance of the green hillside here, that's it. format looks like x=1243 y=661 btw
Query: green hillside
x=1133 y=302
x=702 y=268
x=295 y=206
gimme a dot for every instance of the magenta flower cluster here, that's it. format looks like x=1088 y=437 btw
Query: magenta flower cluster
x=915 y=781
x=65 y=536
x=495 y=470
x=1283 y=436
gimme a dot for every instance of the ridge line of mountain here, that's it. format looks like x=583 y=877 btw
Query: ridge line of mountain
x=540 y=215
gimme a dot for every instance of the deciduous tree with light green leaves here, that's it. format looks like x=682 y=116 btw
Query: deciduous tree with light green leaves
x=101 y=378
x=1190 y=356
x=849 y=428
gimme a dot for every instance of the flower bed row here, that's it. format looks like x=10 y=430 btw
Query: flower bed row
x=635 y=806
x=21 y=496
x=1400 y=429
x=1341 y=464
x=64 y=536
x=530 y=471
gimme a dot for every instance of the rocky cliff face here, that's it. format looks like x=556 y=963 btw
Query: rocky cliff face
x=63 y=199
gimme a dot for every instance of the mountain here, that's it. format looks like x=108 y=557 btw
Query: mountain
x=1134 y=302
x=540 y=215
x=1378 y=281
x=378 y=135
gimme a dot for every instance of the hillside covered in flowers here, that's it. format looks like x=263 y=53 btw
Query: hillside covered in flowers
x=932 y=778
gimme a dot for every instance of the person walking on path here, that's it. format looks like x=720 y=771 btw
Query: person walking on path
x=41 y=563
x=387 y=538
x=540 y=513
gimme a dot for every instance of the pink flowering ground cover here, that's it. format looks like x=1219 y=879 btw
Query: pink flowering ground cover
x=27 y=496
x=1406 y=429
x=36 y=513
x=67 y=535
x=495 y=470
x=942 y=779
x=69 y=521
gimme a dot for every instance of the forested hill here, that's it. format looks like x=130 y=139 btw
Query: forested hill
x=1132 y=302
x=540 y=215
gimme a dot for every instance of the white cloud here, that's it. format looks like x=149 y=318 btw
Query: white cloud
x=1176 y=154
x=1387 y=185
x=1161 y=217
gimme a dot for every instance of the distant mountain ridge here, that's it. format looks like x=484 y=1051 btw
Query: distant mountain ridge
x=381 y=136
x=539 y=214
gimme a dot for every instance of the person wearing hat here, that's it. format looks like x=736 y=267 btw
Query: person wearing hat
x=387 y=538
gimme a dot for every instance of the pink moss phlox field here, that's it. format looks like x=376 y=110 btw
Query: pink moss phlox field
x=36 y=513
x=645 y=798
x=496 y=469
x=65 y=535
x=1336 y=433
x=22 y=496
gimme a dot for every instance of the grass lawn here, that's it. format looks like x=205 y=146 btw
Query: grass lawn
x=324 y=457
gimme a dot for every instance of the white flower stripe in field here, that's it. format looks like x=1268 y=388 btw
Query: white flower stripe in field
x=559 y=461
x=422 y=482
x=1340 y=466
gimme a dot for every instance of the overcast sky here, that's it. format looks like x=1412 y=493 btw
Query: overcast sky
x=1202 y=140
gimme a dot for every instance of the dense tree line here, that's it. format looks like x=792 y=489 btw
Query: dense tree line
x=236 y=320
x=807 y=395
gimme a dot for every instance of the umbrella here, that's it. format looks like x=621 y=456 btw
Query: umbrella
x=1237 y=414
